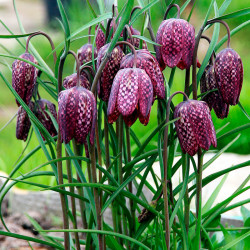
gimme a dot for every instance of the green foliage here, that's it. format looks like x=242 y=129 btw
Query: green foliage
x=37 y=167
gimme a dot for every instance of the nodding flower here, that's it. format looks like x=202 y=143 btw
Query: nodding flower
x=23 y=122
x=42 y=108
x=228 y=70
x=24 y=77
x=147 y=62
x=110 y=70
x=131 y=96
x=195 y=127
x=177 y=39
x=71 y=81
x=213 y=99
x=84 y=54
x=77 y=115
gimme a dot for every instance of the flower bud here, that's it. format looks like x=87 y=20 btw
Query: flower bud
x=85 y=53
x=71 y=81
x=229 y=75
x=177 y=38
x=23 y=123
x=109 y=72
x=195 y=127
x=131 y=96
x=77 y=115
x=100 y=38
x=24 y=77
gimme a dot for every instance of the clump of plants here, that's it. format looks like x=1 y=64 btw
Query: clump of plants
x=87 y=142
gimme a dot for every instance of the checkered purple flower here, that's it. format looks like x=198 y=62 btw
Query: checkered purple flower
x=213 y=99
x=147 y=62
x=228 y=70
x=111 y=68
x=71 y=81
x=24 y=77
x=131 y=96
x=23 y=122
x=195 y=127
x=84 y=54
x=177 y=40
x=77 y=115
x=42 y=108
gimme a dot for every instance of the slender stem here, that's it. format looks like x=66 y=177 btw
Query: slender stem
x=213 y=55
x=89 y=33
x=170 y=7
x=133 y=10
x=108 y=29
x=225 y=24
x=97 y=203
x=59 y=167
x=165 y=162
x=187 y=82
x=50 y=41
x=77 y=67
x=185 y=167
x=80 y=189
x=194 y=76
x=130 y=185
x=151 y=32
x=73 y=202
x=199 y=187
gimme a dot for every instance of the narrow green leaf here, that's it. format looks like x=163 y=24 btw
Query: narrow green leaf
x=15 y=36
x=23 y=237
x=224 y=6
x=92 y=231
x=244 y=111
x=214 y=195
x=144 y=9
x=235 y=241
x=146 y=40
x=238 y=13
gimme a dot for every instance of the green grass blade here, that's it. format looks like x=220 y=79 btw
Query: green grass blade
x=238 y=13
x=244 y=111
x=23 y=237
x=92 y=231
x=235 y=241
x=146 y=39
x=214 y=195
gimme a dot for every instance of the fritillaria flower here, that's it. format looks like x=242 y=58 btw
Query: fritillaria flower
x=71 y=81
x=24 y=77
x=23 y=123
x=109 y=72
x=177 y=39
x=43 y=106
x=148 y=63
x=228 y=70
x=77 y=115
x=195 y=127
x=85 y=53
x=131 y=96
x=213 y=99
x=100 y=38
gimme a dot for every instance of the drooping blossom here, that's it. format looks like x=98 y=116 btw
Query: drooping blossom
x=228 y=70
x=77 y=115
x=131 y=96
x=71 y=81
x=147 y=62
x=110 y=70
x=213 y=99
x=195 y=127
x=84 y=54
x=24 y=77
x=177 y=39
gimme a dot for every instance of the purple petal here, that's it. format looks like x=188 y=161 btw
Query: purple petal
x=128 y=92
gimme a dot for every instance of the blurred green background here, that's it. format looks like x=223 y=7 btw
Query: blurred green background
x=79 y=14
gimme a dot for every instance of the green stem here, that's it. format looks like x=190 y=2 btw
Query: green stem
x=165 y=177
x=80 y=189
x=185 y=162
x=59 y=167
x=96 y=198
x=73 y=202
x=199 y=193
